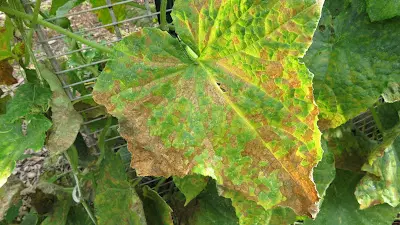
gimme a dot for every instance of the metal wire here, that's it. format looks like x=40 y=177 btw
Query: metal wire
x=103 y=26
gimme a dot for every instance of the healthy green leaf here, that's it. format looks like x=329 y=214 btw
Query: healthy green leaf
x=28 y=99
x=104 y=14
x=382 y=10
x=156 y=209
x=60 y=213
x=6 y=36
x=13 y=141
x=77 y=215
x=211 y=209
x=191 y=185
x=353 y=60
x=324 y=173
x=341 y=207
x=66 y=121
x=241 y=113
x=30 y=219
x=111 y=183
x=62 y=7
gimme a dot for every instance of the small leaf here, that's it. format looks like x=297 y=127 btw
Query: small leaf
x=13 y=142
x=6 y=73
x=324 y=173
x=66 y=121
x=340 y=206
x=104 y=15
x=191 y=185
x=353 y=60
x=29 y=99
x=156 y=209
x=382 y=10
x=62 y=7
x=115 y=199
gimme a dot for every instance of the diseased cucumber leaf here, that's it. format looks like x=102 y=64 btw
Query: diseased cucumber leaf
x=341 y=207
x=10 y=199
x=381 y=184
x=66 y=121
x=111 y=183
x=249 y=213
x=191 y=185
x=392 y=93
x=241 y=113
x=6 y=73
x=156 y=209
x=353 y=60
x=382 y=10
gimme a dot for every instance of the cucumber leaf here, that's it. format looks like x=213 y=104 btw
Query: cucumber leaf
x=234 y=103
x=382 y=10
x=191 y=185
x=341 y=207
x=353 y=60
x=66 y=120
x=111 y=183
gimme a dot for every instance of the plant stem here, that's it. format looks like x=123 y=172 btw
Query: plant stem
x=58 y=29
x=89 y=212
x=376 y=118
x=163 y=15
x=34 y=21
x=162 y=180
x=102 y=140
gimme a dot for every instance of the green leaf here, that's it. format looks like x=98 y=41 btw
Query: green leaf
x=211 y=209
x=324 y=173
x=341 y=207
x=13 y=142
x=156 y=209
x=30 y=219
x=249 y=213
x=28 y=99
x=191 y=185
x=77 y=215
x=62 y=7
x=104 y=14
x=6 y=36
x=382 y=10
x=241 y=113
x=66 y=121
x=60 y=212
x=353 y=60
x=115 y=199
x=381 y=184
